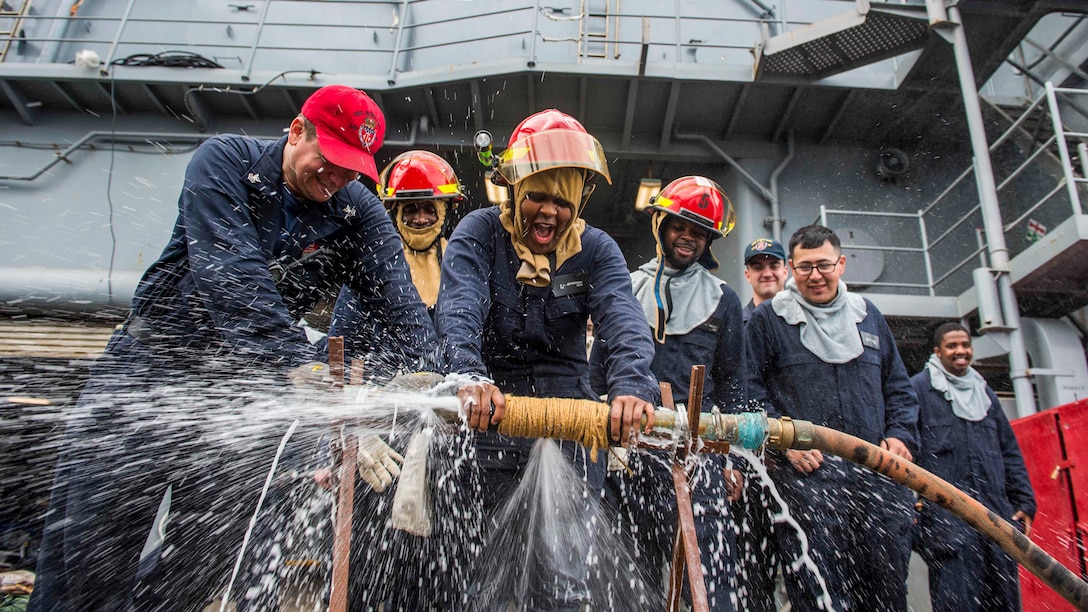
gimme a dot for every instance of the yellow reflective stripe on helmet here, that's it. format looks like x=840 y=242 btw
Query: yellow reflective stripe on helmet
x=663 y=202
x=514 y=153
x=447 y=188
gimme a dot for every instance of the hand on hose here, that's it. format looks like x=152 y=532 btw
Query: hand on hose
x=310 y=375
x=805 y=461
x=1025 y=520
x=897 y=448
x=379 y=464
x=482 y=404
x=627 y=411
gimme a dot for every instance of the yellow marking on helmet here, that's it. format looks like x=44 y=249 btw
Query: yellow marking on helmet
x=389 y=192
x=663 y=202
x=448 y=188
x=514 y=153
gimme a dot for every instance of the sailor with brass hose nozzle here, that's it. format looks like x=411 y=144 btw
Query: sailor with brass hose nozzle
x=695 y=319
x=519 y=282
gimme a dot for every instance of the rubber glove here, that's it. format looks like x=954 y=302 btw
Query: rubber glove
x=379 y=464
x=310 y=375
x=412 y=501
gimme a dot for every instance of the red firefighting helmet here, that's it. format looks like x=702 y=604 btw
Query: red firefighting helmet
x=699 y=200
x=419 y=175
x=550 y=139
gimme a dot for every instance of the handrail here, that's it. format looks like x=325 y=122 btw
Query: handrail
x=97 y=135
x=257 y=40
x=960 y=265
x=117 y=35
x=1035 y=206
x=1069 y=181
x=250 y=31
x=1063 y=149
x=391 y=77
x=955 y=225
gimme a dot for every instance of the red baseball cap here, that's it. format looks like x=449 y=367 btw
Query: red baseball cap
x=350 y=127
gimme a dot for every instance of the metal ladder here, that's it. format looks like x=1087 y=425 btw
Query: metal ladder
x=596 y=28
x=9 y=35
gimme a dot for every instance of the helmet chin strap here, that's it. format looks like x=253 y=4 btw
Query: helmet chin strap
x=587 y=188
x=661 y=300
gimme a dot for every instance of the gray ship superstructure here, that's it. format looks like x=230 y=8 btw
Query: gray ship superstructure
x=856 y=114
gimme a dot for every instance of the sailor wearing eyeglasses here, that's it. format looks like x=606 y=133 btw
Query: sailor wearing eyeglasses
x=820 y=353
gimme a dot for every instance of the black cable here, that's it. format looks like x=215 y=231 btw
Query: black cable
x=169 y=59
x=109 y=187
x=195 y=117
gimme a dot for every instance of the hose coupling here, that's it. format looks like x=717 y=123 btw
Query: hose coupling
x=785 y=433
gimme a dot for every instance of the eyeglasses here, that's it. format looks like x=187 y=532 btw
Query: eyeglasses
x=806 y=268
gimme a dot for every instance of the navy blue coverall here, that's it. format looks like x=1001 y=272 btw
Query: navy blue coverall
x=968 y=571
x=857 y=522
x=649 y=497
x=246 y=260
x=531 y=342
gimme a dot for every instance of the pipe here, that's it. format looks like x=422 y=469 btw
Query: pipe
x=771 y=195
x=763 y=191
x=785 y=433
x=587 y=422
x=58 y=32
x=413 y=133
x=776 y=214
x=140 y=137
x=991 y=215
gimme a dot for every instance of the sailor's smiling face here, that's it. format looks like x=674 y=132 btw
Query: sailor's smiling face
x=683 y=242
x=817 y=272
x=544 y=219
x=306 y=171
x=419 y=214
x=955 y=352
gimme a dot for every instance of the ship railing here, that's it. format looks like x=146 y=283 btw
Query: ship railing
x=418 y=39
x=1042 y=186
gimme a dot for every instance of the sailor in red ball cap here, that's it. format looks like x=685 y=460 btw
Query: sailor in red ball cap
x=332 y=142
x=266 y=230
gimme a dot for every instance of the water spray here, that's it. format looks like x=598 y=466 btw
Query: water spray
x=256 y=513
x=587 y=422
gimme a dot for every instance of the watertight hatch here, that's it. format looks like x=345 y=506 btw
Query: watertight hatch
x=865 y=35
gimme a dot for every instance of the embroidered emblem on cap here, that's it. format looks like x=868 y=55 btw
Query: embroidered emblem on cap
x=349 y=211
x=254 y=177
x=368 y=131
x=760 y=244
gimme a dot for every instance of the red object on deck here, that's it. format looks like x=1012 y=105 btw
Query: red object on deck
x=1055 y=448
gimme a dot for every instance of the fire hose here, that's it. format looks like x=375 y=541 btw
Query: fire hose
x=587 y=422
